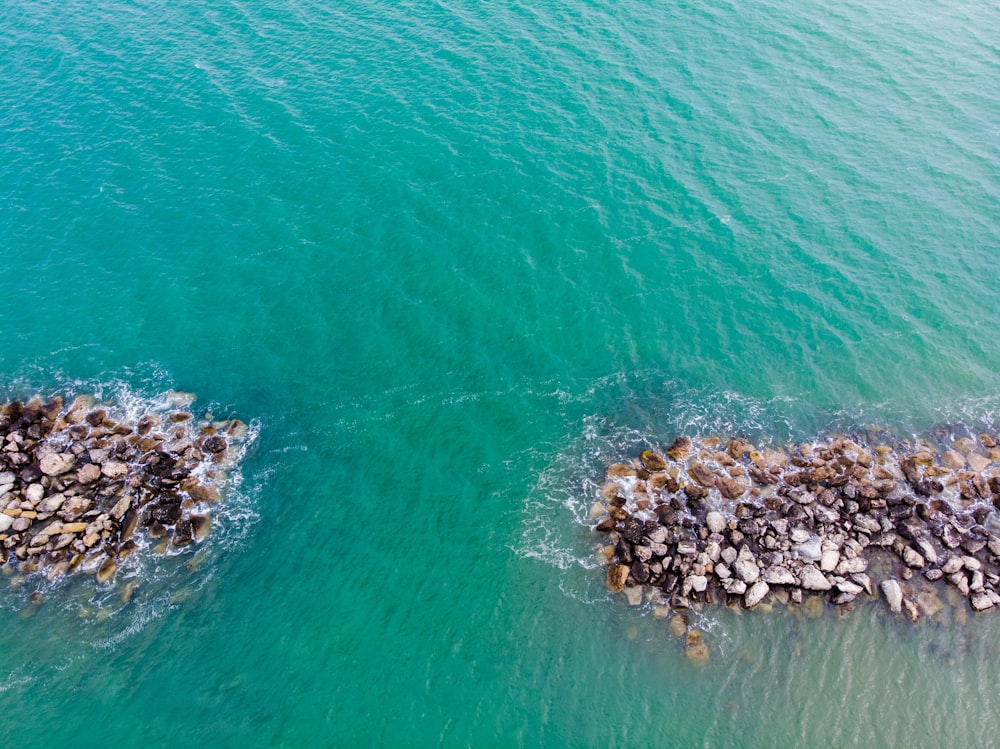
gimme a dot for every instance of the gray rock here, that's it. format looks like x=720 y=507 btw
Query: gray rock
x=734 y=586
x=729 y=555
x=812 y=579
x=756 y=594
x=799 y=535
x=980 y=601
x=952 y=565
x=779 y=576
x=811 y=550
x=893 y=595
x=697 y=583
x=829 y=559
x=746 y=566
x=722 y=571
x=853 y=566
x=846 y=586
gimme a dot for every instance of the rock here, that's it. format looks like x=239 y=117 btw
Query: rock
x=680 y=449
x=715 y=522
x=893 y=595
x=756 y=594
x=52 y=504
x=697 y=583
x=597 y=510
x=617 y=575
x=952 y=565
x=632 y=530
x=215 y=444
x=88 y=473
x=978 y=463
x=633 y=595
x=829 y=559
x=812 y=579
x=114 y=469
x=653 y=461
x=722 y=571
x=6 y=521
x=745 y=567
x=34 y=493
x=929 y=603
x=980 y=601
x=56 y=464
x=811 y=550
x=687 y=548
x=734 y=586
x=702 y=474
x=852 y=566
x=779 y=576
x=107 y=570
x=201 y=526
x=912 y=558
x=678 y=625
x=729 y=488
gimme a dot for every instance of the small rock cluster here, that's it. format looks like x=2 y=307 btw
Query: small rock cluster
x=79 y=486
x=838 y=520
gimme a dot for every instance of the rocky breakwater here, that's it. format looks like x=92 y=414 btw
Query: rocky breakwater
x=85 y=486
x=832 y=522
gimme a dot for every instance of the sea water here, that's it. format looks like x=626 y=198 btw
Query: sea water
x=451 y=259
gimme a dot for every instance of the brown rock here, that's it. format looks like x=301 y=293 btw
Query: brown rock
x=702 y=474
x=617 y=575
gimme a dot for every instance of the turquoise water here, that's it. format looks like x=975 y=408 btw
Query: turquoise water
x=452 y=259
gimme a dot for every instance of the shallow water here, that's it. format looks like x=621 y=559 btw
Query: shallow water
x=454 y=258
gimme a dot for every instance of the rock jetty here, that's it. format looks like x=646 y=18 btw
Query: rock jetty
x=84 y=486
x=833 y=522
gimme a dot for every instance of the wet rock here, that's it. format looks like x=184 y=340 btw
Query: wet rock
x=893 y=595
x=812 y=579
x=912 y=558
x=617 y=575
x=56 y=464
x=107 y=570
x=653 y=461
x=680 y=449
x=702 y=474
x=745 y=566
x=756 y=593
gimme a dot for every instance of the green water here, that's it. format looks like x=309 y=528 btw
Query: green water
x=451 y=259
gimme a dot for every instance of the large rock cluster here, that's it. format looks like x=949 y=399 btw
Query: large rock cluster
x=80 y=487
x=838 y=520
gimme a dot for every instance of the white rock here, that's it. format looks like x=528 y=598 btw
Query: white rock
x=746 y=566
x=829 y=560
x=734 y=586
x=722 y=571
x=715 y=521
x=34 y=493
x=697 y=583
x=813 y=579
x=852 y=566
x=893 y=595
x=6 y=521
x=756 y=594
x=912 y=558
x=981 y=601
x=811 y=550
x=952 y=565
x=114 y=469
x=729 y=555
x=779 y=576
x=56 y=464
x=846 y=586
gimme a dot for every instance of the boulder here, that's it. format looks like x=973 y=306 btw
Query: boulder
x=680 y=449
x=912 y=558
x=633 y=595
x=829 y=559
x=88 y=473
x=745 y=567
x=779 y=576
x=617 y=575
x=107 y=570
x=812 y=579
x=980 y=601
x=729 y=488
x=893 y=595
x=756 y=594
x=653 y=461
x=56 y=464
x=702 y=474
x=715 y=522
